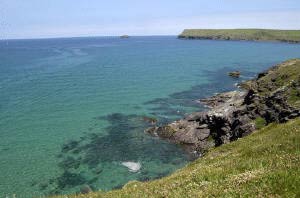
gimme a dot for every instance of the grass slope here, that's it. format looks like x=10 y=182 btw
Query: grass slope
x=263 y=164
x=284 y=77
x=243 y=34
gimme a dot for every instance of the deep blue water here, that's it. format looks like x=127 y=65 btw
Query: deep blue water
x=72 y=110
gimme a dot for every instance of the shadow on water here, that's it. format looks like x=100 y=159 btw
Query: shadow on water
x=125 y=141
x=177 y=104
x=80 y=160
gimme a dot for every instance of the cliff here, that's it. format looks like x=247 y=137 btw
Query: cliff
x=291 y=36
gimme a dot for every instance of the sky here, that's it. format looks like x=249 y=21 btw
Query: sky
x=74 y=18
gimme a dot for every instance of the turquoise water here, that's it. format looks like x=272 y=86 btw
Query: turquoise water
x=72 y=110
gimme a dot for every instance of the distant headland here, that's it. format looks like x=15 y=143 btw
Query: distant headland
x=290 y=36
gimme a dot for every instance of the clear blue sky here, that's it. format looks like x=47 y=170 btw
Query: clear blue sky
x=67 y=18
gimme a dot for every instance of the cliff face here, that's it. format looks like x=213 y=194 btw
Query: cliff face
x=292 y=36
x=274 y=96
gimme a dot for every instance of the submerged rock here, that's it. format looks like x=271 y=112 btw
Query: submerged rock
x=85 y=189
x=235 y=74
x=150 y=120
x=124 y=36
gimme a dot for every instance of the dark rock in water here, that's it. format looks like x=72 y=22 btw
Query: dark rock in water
x=235 y=74
x=145 y=178
x=150 y=120
x=85 y=189
x=93 y=180
x=43 y=186
x=124 y=36
x=51 y=181
x=117 y=187
x=69 y=162
x=69 y=146
x=5 y=149
x=69 y=179
x=33 y=183
x=98 y=171
x=152 y=131
x=76 y=151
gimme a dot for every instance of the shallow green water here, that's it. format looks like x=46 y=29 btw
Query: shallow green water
x=72 y=110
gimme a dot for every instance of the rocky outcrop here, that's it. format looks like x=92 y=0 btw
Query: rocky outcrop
x=232 y=115
x=234 y=74
x=124 y=37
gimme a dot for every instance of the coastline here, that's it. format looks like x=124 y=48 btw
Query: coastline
x=217 y=81
x=235 y=114
x=260 y=35
x=266 y=112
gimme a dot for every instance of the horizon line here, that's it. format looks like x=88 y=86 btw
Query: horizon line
x=74 y=37
x=150 y=35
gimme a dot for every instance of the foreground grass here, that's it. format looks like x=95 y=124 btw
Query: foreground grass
x=264 y=164
x=243 y=34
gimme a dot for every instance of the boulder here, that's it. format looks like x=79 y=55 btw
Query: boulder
x=124 y=36
x=85 y=189
x=234 y=74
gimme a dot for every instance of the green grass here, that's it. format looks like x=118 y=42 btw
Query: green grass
x=263 y=164
x=260 y=123
x=284 y=77
x=294 y=98
x=243 y=34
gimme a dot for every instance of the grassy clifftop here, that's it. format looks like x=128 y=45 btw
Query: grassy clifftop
x=292 y=36
x=264 y=164
x=284 y=77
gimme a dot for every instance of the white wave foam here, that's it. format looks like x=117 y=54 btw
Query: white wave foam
x=132 y=166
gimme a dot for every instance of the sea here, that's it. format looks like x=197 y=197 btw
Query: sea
x=73 y=111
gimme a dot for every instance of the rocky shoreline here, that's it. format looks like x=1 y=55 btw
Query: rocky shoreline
x=235 y=114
